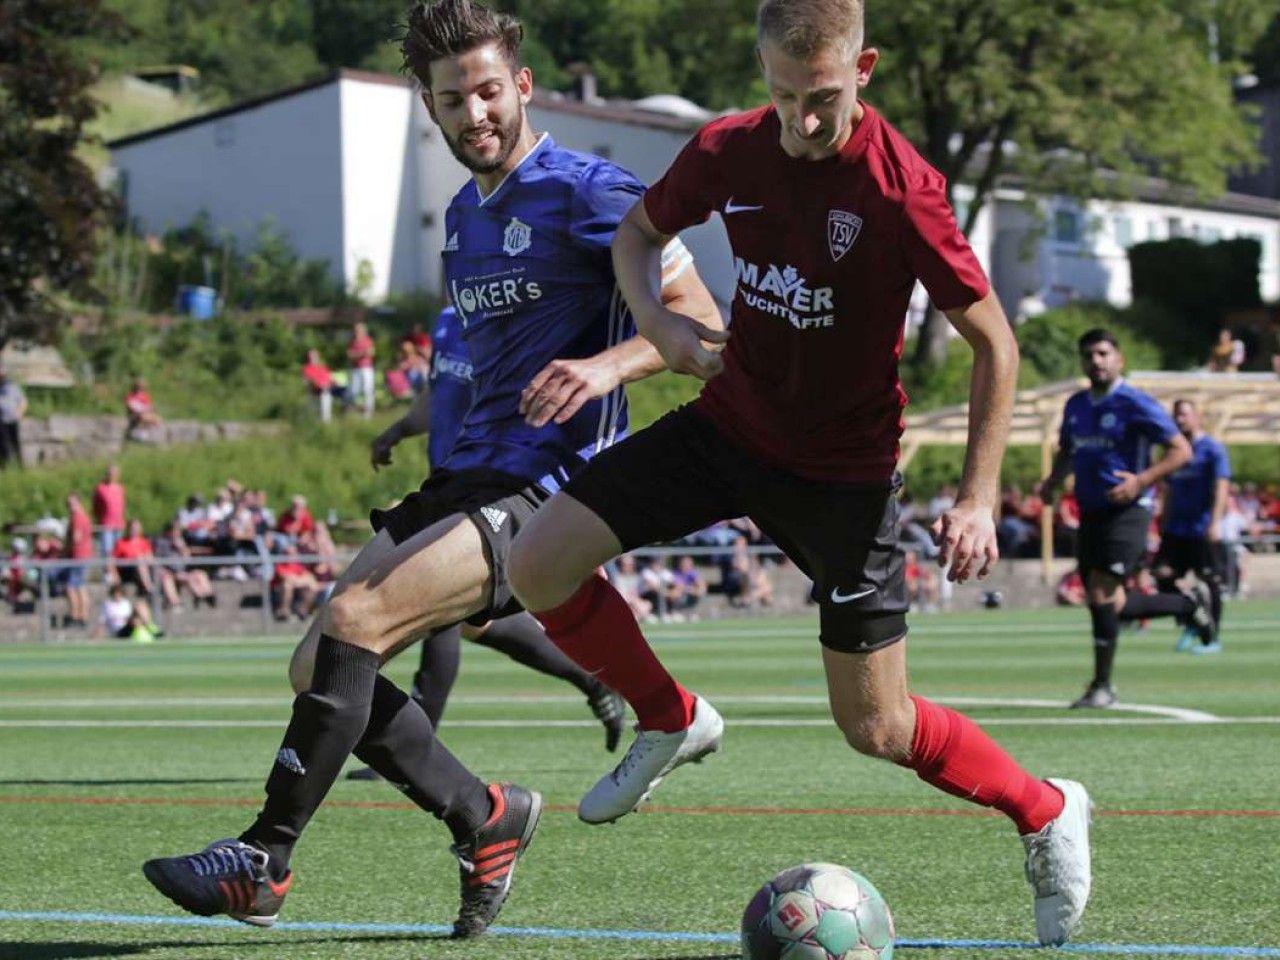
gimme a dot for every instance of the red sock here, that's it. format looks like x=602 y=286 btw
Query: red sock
x=952 y=753
x=596 y=630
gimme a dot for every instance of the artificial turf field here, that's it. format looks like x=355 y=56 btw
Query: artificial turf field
x=112 y=753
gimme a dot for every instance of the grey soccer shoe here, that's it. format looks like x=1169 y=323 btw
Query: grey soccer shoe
x=1058 y=866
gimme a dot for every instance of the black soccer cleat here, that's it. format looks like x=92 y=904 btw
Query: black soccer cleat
x=228 y=876
x=611 y=710
x=487 y=862
x=1096 y=696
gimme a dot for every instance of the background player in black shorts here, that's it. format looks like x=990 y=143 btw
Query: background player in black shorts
x=1194 y=503
x=1106 y=438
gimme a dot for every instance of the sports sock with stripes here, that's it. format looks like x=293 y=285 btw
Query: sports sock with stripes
x=437 y=670
x=597 y=630
x=1106 y=636
x=401 y=744
x=327 y=722
x=954 y=754
x=522 y=639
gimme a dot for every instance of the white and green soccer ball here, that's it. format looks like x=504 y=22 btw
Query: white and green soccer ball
x=817 y=911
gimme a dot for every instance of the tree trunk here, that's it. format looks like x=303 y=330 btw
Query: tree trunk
x=931 y=342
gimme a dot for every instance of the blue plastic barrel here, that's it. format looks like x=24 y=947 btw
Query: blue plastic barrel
x=198 y=302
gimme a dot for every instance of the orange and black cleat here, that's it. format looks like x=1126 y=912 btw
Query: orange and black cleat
x=228 y=876
x=487 y=861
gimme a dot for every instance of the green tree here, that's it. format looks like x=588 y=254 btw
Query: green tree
x=1076 y=97
x=351 y=33
x=50 y=203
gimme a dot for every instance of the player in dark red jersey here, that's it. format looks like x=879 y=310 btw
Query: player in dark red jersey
x=833 y=217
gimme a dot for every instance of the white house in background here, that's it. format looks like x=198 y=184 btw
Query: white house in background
x=354 y=171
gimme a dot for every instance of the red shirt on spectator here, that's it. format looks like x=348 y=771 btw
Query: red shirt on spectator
x=138 y=401
x=296 y=521
x=79 y=544
x=289 y=569
x=360 y=351
x=318 y=376
x=132 y=548
x=108 y=505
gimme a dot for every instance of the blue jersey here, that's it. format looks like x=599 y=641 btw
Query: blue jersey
x=451 y=386
x=1188 y=506
x=530 y=275
x=1109 y=434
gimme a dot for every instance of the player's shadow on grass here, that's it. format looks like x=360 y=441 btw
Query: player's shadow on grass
x=82 y=950
x=136 y=782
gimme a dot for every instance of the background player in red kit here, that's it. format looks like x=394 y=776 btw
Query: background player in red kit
x=832 y=216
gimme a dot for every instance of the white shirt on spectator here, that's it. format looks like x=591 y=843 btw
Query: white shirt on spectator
x=116 y=614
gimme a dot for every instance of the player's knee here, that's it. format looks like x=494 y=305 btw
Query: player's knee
x=354 y=616
x=884 y=733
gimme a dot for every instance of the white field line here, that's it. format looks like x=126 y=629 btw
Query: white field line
x=1092 y=721
x=127 y=703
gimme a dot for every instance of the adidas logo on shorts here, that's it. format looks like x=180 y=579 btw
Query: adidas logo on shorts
x=495 y=517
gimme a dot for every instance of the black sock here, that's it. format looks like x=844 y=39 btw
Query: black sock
x=1106 y=634
x=1215 y=601
x=327 y=722
x=1143 y=606
x=437 y=671
x=522 y=639
x=401 y=745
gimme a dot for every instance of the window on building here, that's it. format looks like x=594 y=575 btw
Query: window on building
x=1210 y=235
x=1176 y=227
x=1124 y=232
x=1067 y=227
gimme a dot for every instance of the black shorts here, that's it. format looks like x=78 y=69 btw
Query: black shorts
x=1197 y=555
x=681 y=475
x=1113 y=541
x=497 y=504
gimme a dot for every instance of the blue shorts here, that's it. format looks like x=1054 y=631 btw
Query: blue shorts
x=72 y=576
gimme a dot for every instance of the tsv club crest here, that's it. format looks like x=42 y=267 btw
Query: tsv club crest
x=842 y=230
x=516 y=238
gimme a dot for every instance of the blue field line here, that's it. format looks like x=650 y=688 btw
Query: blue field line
x=1130 y=949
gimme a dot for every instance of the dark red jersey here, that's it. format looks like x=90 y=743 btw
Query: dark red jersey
x=827 y=253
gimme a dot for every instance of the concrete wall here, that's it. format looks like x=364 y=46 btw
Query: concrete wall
x=68 y=437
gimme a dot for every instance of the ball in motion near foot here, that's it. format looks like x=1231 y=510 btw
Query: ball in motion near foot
x=817 y=911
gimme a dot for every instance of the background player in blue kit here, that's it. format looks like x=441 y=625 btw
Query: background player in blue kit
x=1106 y=438
x=438 y=411
x=1195 y=500
x=528 y=267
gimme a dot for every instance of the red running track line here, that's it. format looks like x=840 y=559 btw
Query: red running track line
x=565 y=808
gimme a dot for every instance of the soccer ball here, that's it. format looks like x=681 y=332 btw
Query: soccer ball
x=817 y=911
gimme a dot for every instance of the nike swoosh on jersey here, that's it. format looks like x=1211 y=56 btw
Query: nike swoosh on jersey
x=838 y=597
x=731 y=207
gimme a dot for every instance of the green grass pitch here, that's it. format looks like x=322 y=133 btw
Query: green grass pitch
x=112 y=753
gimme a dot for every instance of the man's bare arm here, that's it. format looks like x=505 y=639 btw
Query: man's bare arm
x=415 y=422
x=966 y=532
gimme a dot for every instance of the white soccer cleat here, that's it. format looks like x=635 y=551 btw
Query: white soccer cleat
x=1058 y=866
x=651 y=757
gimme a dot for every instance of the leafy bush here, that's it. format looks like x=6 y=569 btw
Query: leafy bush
x=1048 y=342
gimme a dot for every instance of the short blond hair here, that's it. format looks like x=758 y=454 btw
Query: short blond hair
x=801 y=28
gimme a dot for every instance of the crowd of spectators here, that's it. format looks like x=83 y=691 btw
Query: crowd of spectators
x=356 y=385
x=237 y=523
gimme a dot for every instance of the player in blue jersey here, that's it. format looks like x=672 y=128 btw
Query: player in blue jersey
x=528 y=267
x=1195 y=501
x=438 y=411
x=1107 y=434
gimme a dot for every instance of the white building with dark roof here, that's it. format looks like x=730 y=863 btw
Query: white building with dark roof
x=354 y=171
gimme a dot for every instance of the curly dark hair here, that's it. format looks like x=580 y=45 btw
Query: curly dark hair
x=435 y=29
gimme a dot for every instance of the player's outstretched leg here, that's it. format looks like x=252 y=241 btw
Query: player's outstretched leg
x=947 y=750
x=487 y=859
x=674 y=726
